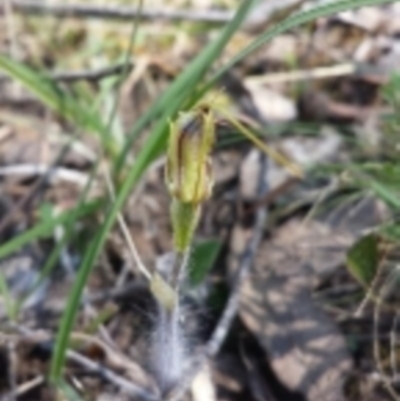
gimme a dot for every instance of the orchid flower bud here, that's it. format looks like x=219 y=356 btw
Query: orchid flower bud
x=188 y=171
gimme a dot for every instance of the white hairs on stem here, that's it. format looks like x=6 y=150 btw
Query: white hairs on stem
x=169 y=349
x=168 y=353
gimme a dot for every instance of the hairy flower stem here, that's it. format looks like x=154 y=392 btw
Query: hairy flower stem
x=189 y=179
x=168 y=348
x=169 y=345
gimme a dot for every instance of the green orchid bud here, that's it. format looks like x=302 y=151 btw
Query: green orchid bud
x=188 y=171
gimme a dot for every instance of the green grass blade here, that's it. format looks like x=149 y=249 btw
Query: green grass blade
x=58 y=100
x=68 y=233
x=46 y=228
x=380 y=178
x=180 y=89
x=384 y=192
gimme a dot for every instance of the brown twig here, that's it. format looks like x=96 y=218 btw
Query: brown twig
x=125 y=385
x=24 y=388
x=92 y=75
x=12 y=369
x=88 y=75
x=263 y=13
x=80 y=10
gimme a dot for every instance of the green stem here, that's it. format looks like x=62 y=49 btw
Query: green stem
x=185 y=217
x=179 y=268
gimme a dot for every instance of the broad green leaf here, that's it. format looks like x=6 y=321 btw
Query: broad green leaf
x=202 y=259
x=363 y=259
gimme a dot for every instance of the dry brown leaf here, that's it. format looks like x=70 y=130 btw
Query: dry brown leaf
x=306 y=350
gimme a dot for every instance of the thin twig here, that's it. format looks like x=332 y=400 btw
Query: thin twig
x=125 y=231
x=245 y=262
x=114 y=292
x=91 y=75
x=12 y=371
x=54 y=173
x=88 y=75
x=25 y=387
x=127 y=386
x=393 y=345
x=264 y=12
x=337 y=70
x=30 y=384
x=80 y=10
